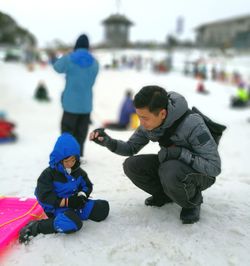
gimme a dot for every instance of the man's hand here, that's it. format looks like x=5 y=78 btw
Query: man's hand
x=171 y=153
x=100 y=137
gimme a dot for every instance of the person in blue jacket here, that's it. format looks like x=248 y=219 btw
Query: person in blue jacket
x=81 y=69
x=63 y=191
x=127 y=109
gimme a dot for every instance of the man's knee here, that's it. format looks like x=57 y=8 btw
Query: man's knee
x=67 y=222
x=141 y=165
x=129 y=166
x=202 y=181
x=179 y=184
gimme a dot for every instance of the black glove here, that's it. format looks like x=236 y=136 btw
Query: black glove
x=76 y=202
x=107 y=140
x=171 y=153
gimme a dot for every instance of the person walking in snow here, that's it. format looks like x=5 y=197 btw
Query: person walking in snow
x=187 y=162
x=81 y=69
x=63 y=191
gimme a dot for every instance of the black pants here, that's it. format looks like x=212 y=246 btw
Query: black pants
x=77 y=125
x=235 y=102
x=177 y=180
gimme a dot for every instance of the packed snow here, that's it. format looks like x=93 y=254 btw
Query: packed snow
x=133 y=234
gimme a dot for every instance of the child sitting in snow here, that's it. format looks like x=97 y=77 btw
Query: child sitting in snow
x=242 y=98
x=41 y=93
x=63 y=190
x=6 y=129
x=126 y=113
x=201 y=87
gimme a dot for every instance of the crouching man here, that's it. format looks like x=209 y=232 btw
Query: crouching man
x=188 y=159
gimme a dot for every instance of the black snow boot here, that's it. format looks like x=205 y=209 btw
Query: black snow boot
x=190 y=215
x=157 y=200
x=29 y=231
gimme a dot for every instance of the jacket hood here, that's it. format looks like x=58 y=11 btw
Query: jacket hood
x=66 y=146
x=177 y=106
x=82 y=58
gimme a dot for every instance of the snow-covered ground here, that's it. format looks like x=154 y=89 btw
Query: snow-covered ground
x=133 y=234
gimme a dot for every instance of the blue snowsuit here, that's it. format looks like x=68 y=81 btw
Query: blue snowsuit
x=55 y=183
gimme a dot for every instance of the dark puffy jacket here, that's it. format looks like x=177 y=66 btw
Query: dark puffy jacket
x=189 y=136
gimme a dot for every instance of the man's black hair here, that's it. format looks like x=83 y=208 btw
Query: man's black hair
x=154 y=98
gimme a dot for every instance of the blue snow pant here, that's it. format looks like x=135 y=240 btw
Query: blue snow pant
x=66 y=220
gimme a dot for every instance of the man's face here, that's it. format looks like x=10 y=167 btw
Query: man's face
x=150 y=120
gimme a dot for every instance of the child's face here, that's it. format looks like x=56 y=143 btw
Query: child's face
x=69 y=162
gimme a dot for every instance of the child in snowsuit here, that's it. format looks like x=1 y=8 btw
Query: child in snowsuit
x=63 y=190
x=6 y=131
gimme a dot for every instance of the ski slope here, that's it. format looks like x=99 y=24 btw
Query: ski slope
x=133 y=234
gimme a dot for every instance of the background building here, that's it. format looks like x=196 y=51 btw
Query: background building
x=233 y=32
x=116 y=31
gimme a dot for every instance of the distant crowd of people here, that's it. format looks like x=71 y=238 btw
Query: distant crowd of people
x=200 y=69
x=139 y=63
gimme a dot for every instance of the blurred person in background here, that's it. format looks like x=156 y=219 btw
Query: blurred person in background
x=200 y=88
x=41 y=92
x=125 y=116
x=187 y=162
x=81 y=69
x=6 y=129
x=242 y=97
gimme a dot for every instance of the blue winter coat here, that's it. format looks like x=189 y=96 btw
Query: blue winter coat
x=81 y=69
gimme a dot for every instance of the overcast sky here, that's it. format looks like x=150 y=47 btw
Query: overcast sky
x=153 y=19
